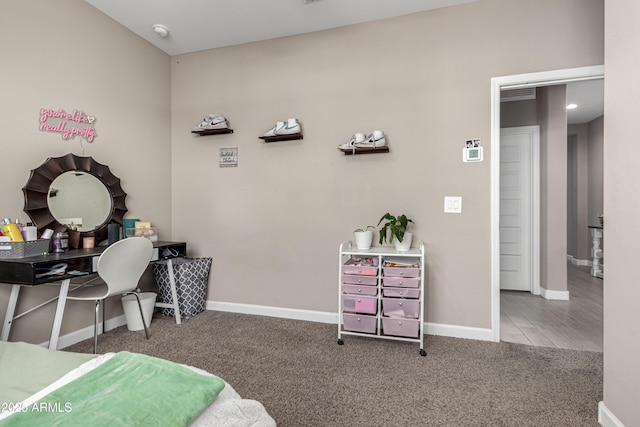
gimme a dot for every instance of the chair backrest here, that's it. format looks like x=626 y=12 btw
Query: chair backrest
x=122 y=264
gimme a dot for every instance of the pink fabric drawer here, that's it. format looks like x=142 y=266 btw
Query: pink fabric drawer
x=359 y=289
x=401 y=327
x=401 y=271
x=400 y=307
x=401 y=292
x=359 y=304
x=360 y=280
x=401 y=282
x=359 y=323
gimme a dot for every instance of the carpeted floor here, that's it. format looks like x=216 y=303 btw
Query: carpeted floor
x=304 y=378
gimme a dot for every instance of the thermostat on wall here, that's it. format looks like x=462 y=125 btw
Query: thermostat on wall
x=472 y=151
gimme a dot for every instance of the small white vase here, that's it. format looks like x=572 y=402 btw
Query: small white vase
x=363 y=239
x=405 y=245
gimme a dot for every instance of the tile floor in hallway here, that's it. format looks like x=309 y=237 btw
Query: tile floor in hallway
x=575 y=324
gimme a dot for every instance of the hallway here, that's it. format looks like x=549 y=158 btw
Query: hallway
x=575 y=324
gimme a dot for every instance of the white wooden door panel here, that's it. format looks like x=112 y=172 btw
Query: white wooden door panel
x=515 y=209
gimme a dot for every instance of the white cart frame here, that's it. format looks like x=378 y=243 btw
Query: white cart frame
x=347 y=251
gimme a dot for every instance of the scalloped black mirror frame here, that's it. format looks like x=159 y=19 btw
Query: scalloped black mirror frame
x=37 y=189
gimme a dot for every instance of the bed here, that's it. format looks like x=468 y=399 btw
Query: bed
x=44 y=387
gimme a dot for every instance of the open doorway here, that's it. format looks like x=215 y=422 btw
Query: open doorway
x=545 y=79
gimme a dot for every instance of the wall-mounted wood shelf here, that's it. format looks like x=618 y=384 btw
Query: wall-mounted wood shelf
x=277 y=138
x=212 y=131
x=349 y=152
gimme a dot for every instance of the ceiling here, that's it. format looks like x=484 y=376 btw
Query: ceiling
x=588 y=95
x=196 y=25
x=205 y=24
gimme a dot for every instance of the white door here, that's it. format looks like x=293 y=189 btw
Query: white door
x=517 y=148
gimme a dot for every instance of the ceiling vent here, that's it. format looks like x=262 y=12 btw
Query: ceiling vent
x=521 y=94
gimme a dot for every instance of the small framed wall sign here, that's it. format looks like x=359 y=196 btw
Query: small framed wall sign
x=228 y=157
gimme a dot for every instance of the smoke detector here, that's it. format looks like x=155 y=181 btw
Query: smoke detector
x=160 y=30
x=309 y=1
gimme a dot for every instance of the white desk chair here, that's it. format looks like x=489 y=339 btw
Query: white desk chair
x=120 y=266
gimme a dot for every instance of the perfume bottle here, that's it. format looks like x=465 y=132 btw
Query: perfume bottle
x=11 y=229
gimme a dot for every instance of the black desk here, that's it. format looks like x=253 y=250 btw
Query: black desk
x=20 y=272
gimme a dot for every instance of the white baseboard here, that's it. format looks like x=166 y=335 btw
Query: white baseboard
x=326 y=317
x=580 y=262
x=554 y=295
x=86 y=333
x=606 y=417
x=453 y=331
x=263 y=310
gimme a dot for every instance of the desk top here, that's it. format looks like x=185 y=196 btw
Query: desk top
x=23 y=271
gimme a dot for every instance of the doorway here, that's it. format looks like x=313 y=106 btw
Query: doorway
x=513 y=82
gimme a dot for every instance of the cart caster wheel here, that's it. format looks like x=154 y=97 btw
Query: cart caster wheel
x=340 y=342
x=423 y=352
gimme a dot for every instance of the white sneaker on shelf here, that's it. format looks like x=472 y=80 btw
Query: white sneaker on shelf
x=291 y=126
x=212 y=121
x=376 y=139
x=357 y=138
x=273 y=131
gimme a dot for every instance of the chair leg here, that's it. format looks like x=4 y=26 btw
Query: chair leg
x=104 y=315
x=95 y=328
x=146 y=330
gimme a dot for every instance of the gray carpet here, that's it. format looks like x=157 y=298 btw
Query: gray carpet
x=304 y=378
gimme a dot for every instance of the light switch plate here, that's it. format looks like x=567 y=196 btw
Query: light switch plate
x=452 y=204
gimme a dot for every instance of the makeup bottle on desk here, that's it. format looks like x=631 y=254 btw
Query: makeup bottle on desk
x=11 y=229
x=30 y=232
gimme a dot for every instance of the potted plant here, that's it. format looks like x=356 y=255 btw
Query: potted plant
x=397 y=226
x=364 y=237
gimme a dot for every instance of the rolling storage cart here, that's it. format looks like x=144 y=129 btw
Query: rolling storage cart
x=381 y=293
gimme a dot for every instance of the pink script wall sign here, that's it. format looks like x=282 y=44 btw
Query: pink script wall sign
x=68 y=125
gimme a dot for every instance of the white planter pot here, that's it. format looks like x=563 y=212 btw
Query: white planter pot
x=405 y=245
x=363 y=239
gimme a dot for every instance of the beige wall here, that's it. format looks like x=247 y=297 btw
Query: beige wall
x=578 y=176
x=67 y=55
x=274 y=223
x=621 y=206
x=553 y=187
x=596 y=170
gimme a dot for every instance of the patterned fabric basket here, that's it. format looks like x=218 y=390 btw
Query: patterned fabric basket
x=191 y=278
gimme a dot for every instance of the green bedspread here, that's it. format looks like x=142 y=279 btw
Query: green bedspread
x=129 y=389
x=28 y=368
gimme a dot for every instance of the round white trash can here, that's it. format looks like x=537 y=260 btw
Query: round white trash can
x=132 y=312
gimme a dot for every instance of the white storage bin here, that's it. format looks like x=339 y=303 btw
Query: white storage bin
x=400 y=327
x=359 y=323
x=401 y=282
x=401 y=307
x=360 y=290
x=359 y=304
x=400 y=292
x=401 y=271
x=360 y=279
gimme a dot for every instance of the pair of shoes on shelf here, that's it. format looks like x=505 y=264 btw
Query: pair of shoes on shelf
x=360 y=140
x=212 y=121
x=290 y=127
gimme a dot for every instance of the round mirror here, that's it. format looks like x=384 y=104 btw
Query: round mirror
x=74 y=194
x=79 y=201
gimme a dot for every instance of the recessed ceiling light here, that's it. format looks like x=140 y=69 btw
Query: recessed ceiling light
x=572 y=106
x=160 y=30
